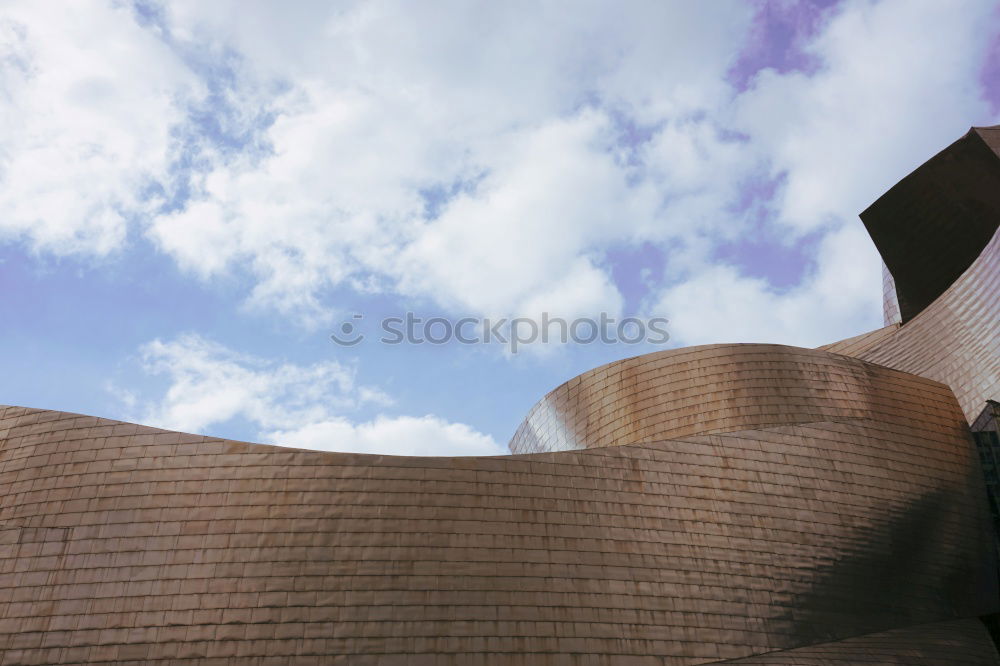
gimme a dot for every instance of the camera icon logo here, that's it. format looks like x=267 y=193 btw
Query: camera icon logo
x=349 y=335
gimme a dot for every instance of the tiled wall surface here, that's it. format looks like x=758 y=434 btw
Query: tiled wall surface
x=857 y=344
x=958 y=643
x=937 y=230
x=890 y=304
x=956 y=339
x=715 y=388
x=931 y=225
x=126 y=544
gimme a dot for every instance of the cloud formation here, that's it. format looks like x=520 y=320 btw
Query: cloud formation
x=288 y=404
x=478 y=158
x=466 y=157
x=85 y=126
x=880 y=103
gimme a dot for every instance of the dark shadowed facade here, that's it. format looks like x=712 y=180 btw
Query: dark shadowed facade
x=738 y=503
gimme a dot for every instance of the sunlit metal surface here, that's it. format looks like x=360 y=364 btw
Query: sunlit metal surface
x=706 y=389
x=125 y=543
x=956 y=339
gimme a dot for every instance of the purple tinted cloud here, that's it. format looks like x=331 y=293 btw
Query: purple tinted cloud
x=989 y=77
x=780 y=29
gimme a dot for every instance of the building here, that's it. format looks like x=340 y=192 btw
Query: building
x=739 y=503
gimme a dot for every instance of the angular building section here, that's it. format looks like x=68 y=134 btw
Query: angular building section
x=744 y=504
x=937 y=231
x=890 y=302
x=932 y=225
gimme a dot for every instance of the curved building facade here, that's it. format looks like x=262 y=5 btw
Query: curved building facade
x=745 y=504
x=932 y=225
x=712 y=389
x=128 y=544
x=938 y=233
x=955 y=339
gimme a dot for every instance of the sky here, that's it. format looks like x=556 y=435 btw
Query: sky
x=195 y=196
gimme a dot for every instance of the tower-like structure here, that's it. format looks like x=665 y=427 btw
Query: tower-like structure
x=739 y=503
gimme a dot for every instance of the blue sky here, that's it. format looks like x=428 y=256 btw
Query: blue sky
x=194 y=196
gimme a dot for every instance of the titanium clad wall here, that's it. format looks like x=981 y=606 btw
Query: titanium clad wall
x=932 y=225
x=956 y=643
x=126 y=544
x=890 y=304
x=937 y=231
x=956 y=339
x=711 y=388
x=854 y=345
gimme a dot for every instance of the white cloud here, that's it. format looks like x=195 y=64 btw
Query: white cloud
x=333 y=197
x=398 y=436
x=210 y=383
x=474 y=68
x=518 y=244
x=386 y=103
x=883 y=101
x=517 y=124
x=836 y=300
x=899 y=81
x=87 y=101
x=289 y=404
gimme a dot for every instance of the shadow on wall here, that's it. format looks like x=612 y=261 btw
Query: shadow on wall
x=890 y=556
